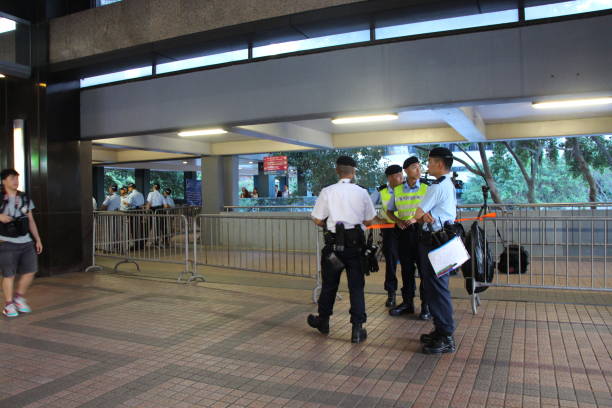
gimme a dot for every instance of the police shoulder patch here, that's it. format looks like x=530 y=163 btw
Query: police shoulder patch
x=439 y=180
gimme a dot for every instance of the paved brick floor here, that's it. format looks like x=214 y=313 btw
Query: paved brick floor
x=98 y=340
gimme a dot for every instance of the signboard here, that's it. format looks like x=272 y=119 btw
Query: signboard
x=275 y=165
x=193 y=192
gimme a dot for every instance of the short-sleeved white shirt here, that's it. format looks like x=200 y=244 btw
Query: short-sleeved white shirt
x=344 y=202
x=155 y=199
x=112 y=202
x=169 y=202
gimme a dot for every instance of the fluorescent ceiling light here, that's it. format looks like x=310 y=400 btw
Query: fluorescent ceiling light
x=365 y=119
x=572 y=103
x=2 y=76
x=185 y=162
x=202 y=132
x=7 y=25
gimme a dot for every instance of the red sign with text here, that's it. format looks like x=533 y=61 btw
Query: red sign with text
x=275 y=164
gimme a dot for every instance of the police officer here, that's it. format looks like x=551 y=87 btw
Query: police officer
x=438 y=207
x=383 y=196
x=112 y=202
x=168 y=201
x=406 y=199
x=343 y=208
x=155 y=200
x=135 y=199
x=123 y=193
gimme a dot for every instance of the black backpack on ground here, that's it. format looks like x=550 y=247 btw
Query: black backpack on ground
x=481 y=259
x=514 y=260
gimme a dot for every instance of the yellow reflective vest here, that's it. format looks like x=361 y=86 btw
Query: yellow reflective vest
x=406 y=203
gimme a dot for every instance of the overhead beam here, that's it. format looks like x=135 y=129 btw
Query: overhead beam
x=131 y=156
x=253 y=146
x=287 y=133
x=550 y=128
x=396 y=137
x=466 y=121
x=158 y=143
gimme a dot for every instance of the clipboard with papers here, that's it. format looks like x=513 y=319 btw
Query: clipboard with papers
x=448 y=257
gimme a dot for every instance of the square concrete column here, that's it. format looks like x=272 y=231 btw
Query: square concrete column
x=219 y=183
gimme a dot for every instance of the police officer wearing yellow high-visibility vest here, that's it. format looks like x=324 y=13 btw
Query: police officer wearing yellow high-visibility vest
x=343 y=209
x=406 y=200
x=437 y=210
x=383 y=195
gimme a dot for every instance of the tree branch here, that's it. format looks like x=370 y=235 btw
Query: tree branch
x=603 y=148
x=518 y=161
x=480 y=172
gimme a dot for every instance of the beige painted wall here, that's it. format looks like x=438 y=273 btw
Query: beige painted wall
x=134 y=22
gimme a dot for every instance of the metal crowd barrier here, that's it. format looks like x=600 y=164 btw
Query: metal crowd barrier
x=142 y=237
x=563 y=253
x=279 y=245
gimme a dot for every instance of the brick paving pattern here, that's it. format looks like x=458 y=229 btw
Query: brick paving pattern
x=110 y=341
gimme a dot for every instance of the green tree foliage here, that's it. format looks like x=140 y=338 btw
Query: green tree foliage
x=316 y=167
x=119 y=177
x=174 y=180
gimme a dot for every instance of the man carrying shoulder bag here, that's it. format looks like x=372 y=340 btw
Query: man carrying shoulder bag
x=18 y=252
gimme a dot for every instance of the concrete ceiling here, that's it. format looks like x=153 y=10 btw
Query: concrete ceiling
x=482 y=122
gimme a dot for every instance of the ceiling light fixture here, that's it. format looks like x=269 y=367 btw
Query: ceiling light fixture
x=7 y=25
x=2 y=76
x=572 y=103
x=365 y=119
x=185 y=162
x=202 y=132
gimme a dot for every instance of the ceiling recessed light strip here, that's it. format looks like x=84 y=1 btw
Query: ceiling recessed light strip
x=365 y=119
x=572 y=103
x=202 y=132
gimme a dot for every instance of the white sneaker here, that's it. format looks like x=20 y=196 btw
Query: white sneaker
x=10 y=310
x=22 y=305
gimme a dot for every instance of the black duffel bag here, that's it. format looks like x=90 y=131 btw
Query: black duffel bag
x=481 y=260
x=514 y=260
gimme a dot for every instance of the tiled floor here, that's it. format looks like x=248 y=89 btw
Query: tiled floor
x=99 y=340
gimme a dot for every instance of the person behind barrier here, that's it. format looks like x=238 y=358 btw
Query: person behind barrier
x=342 y=209
x=437 y=211
x=112 y=202
x=123 y=193
x=168 y=201
x=382 y=196
x=94 y=203
x=135 y=199
x=406 y=199
x=18 y=253
x=155 y=200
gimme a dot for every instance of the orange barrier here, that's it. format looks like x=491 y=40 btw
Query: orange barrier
x=489 y=215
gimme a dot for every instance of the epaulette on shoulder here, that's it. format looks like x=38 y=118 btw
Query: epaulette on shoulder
x=439 y=180
x=362 y=187
x=425 y=181
x=382 y=187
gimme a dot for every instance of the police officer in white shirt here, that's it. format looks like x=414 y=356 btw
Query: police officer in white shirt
x=112 y=202
x=155 y=200
x=135 y=199
x=168 y=201
x=343 y=209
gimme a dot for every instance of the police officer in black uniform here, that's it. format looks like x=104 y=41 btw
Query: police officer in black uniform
x=437 y=213
x=342 y=209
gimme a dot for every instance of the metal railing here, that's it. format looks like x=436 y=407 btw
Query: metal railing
x=270 y=244
x=567 y=253
x=142 y=237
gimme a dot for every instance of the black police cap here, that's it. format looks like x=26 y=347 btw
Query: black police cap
x=410 y=160
x=393 y=169
x=346 y=161
x=168 y=191
x=131 y=185
x=441 y=152
x=113 y=187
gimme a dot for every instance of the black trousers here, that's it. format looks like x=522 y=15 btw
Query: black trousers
x=436 y=291
x=390 y=249
x=351 y=257
x=409 y=259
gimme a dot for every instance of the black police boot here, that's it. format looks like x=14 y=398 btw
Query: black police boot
x=319 y=323
x=424 y=315
x=406 y=307
x=390 y=299
x=358 y=334
x=440 y=344
x=429 y=337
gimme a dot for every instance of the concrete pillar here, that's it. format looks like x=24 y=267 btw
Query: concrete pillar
x=219 y=183
x=143 y=180
x=99 y=192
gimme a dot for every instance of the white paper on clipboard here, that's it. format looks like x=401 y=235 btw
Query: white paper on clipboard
x=449 y=256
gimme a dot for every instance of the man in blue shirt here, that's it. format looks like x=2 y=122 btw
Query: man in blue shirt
x=438 y=207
